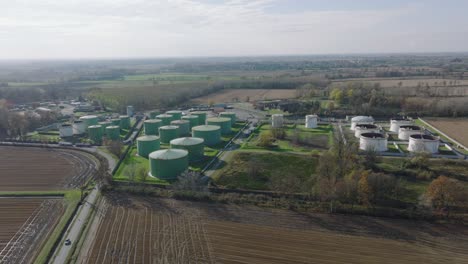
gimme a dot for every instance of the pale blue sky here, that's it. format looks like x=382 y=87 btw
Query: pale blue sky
x=177 y=28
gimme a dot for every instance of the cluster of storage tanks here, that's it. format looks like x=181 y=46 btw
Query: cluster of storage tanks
x=277 y=121
x=173 y=128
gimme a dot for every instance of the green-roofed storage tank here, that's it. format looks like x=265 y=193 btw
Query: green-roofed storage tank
x=224 y=123
x=124 y=122
x=230 y=115
x=176 y=114
x=104 y=125
x=95 y=133
x=152 y=126
x=193 y=119
x=184 y=127
x=115 y=122
x=146 y=145
x=89 y=120
x=113 y=132
x=153 y=114
x=201 y=117
x=166 y=119
x=168 y=164
x=168 y=133
x=211 y=134
x=194 y=146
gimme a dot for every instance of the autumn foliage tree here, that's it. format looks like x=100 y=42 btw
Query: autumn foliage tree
x=446 y=193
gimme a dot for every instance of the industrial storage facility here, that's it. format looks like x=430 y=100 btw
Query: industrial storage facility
x=365 y=128
x=373 y=142
x=153 y=114
x=194 y=146
x=130 y=111
x=423 y=143
x=210 y=134
x=230 y=115
x=113 y=132
x=361 y=120
x=124 y=122
x=201 y=117
x=115 y=122
x=176 y=114
x=311 y=121
x=95 y=133
x=89 y=120
x=222 y=122
x=168 y=133
x=184 y=127
x=193 y=119
x=152 y=126
x=66 y=130
x=146 y=145
x=168 y=164
x=79 y=127
x=276 y=120
x=405 y=131
x=396 y=123
x=104 y=125
x=165 y=118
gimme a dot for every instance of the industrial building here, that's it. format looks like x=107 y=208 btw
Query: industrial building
x=423 y=143
x=373 y=142
x=361 y=120
x=168 y=164
x=146 y=145
x=210 y=134
x=311 y=121
x=194 y=146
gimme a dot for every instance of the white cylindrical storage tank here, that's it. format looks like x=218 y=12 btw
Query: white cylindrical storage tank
x=404 y=132
x=276 y=120
x=365 y=128
x=361 y=120
x=79 y=127
x=396 y=123
x=130 y=110
x=423 y=143
x=66 y=130
x=311 y=121
x=373 y=142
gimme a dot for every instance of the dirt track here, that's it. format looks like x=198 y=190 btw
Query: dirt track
x=189 y=232
x=38 y=169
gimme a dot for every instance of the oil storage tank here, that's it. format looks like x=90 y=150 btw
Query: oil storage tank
x=113 y=132
x=79 y=127
x=168 y=133
x=373 y=142
x=194 y=146
x=95 y=133
x=405 y=131
x=361 y=120
x=193 y=119
x=397 y=122
x=89 y=120
x=66 y=130
x=184 y=127
x=168 y=164
x=276 y=120
x=230 y=115
x=423 y=143
x=311 y=121
x=105 y=124
x=176 y=114
x=146 y=145
x=130 y=110
x=124 y=122
x=115 y=122
x=365 y=128
x=201 y=117
x=165 y=118
x=153 y=114
x=210 y=134
x=152 y=126
x=222 y=122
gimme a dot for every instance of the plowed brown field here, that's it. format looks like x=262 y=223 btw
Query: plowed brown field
x=170 y=231
x=456 y=128
x=242 y=95
x=38 y=169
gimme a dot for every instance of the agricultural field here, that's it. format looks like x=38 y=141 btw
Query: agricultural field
x=395 y=82
x=39 y=169
x=456 y=128
x=150 y=230
x=236 y=95
x=24 y=224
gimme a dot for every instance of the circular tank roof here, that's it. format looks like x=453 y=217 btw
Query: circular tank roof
x=168 y=154
x=174 y=112
x=372 y=135
x=187 y=141
x=113 y=127
x=88 y=117
x=281 y=115
x=164 y=115
x=123 y=116
x=362 y=119
x=180 y=122
x=410 y=127
x=153 y=121
x=95 y=126
x=147 y=138
x=168 y=127
x=218 y=119
x=105 y=123
x=206 y=128
x=425 y=137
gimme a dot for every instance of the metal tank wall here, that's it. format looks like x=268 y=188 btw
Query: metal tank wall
x=152 y=126
x=168 y=133
x=184 y=127
x=194 y=146
x=223 y=123
x=168 y=164
x=146 y=145
x=210 y=134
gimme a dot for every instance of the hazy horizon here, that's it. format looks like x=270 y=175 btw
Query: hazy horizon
x=139 y=29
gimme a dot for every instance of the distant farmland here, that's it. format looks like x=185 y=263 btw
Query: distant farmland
x=456 y=128
x=233 y=95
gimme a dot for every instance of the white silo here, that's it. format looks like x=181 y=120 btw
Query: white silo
x=311 y=121
x=423 y=143
x=365 y=128
x=130 y=110
x=66 y=130
x=404 y=132
x=361 y=120
x=396 y=123
x=276 y=120
x=79 y=127
x=373 y=142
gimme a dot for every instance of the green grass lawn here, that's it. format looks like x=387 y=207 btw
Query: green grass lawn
x=392 y=148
